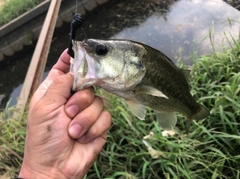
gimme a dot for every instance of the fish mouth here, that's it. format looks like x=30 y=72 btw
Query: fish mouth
x=83 y=67
x=112 y=71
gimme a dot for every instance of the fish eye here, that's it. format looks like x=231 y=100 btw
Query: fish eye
x=101 y=49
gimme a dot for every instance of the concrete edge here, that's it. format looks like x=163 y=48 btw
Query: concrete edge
x=10 y=46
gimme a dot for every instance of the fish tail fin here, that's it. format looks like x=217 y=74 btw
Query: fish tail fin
x=201 y=114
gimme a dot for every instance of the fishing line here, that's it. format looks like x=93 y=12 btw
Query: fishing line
x=76 y=6
x=82 y=17
x=84 y=33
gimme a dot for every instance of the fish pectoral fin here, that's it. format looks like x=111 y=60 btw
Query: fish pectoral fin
x=137 y=109
x=166 y=120
x=151 y=91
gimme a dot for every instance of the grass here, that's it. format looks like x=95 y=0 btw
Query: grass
x=12 y=139
x=11 y=9
x=211 y=150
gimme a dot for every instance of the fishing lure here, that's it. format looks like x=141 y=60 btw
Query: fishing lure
x=75 y=25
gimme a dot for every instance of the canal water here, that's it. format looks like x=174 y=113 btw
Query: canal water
x=178 y=28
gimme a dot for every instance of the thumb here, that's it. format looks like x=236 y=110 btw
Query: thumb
x=59 y=91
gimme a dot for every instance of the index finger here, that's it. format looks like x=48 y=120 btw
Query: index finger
x=61 y=67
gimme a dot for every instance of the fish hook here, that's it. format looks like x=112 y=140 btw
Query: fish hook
x=75 y=25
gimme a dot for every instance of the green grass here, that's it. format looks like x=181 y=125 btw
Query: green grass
x=211 y=150
x=13 y=8
x=12 y=139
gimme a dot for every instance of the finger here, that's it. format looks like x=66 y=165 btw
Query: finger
x=94 y=147
x=58 y=92
x=79 y=101
x=98 y=143
x=85 y=119
x=98 y=128
x=61 y=67
x=87 y=153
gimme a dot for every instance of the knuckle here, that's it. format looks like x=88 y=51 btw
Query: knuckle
x=108 y=118
x=94 y=131
x=85 y=98
x=99 y=100
x=90 y=117
x=82 y=98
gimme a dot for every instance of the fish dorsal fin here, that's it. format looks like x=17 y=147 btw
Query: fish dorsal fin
x=151 y=91
x=137 y=109
x=186 y=73
x=166 y=120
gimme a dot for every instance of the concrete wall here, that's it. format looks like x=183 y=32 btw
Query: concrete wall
x=25 y=29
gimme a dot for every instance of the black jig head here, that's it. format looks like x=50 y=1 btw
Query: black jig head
x=75 y=25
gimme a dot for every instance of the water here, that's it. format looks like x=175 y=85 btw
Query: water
x=177 y=28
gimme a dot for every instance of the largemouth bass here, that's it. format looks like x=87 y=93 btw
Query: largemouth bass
x=140 y=74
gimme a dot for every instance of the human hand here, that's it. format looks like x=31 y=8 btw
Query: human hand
x=65 y=132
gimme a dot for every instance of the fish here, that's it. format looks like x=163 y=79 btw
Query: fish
x=138 y=73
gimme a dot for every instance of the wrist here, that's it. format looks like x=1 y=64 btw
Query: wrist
x=27 y=172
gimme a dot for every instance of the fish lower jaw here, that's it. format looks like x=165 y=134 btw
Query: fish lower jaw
x=105 y=83
x=83 y=83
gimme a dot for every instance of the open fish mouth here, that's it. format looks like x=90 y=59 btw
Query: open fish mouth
x=83 y=67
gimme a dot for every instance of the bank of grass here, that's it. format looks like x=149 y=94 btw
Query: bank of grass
x=11 y=9
x=211 y=150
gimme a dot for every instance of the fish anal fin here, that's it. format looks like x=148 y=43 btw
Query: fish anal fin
x=137 y=109
x=188 y=124
x=166 y=120
x=150 y=91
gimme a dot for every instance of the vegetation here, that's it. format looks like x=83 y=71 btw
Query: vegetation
x=210 y=150
x=12 y=139
x=13 y=8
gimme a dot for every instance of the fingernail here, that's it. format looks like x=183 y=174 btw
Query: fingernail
x=75 y=130
x=72 y=110
x=82 y=139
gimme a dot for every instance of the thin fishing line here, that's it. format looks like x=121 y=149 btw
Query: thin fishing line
x=76 y=13
x=84 y=33
x=76 y=7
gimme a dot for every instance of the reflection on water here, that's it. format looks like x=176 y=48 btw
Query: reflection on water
x=177 y=28
x=12 y=76
x=185 y=28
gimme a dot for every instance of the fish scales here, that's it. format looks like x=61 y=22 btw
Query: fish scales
x=170 y=81
x=140 y=74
